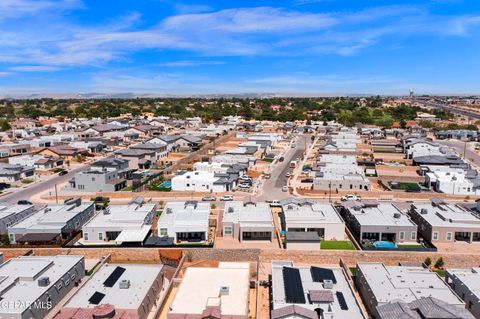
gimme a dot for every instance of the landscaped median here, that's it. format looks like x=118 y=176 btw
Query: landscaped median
x=337 y=245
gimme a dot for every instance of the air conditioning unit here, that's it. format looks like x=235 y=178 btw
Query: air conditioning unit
x=43 y=281
x=328 y=284
x=124 y=284
x=224 y=291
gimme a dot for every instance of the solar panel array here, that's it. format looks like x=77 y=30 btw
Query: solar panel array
x=293 y=285
x=96 y=298
x=114 y=276
x=341 y=300
x=321 y=274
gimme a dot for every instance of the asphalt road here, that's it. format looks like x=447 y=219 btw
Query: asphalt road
x=272 y=188
x=451 y=109
x=459 y=147
x=34 y=189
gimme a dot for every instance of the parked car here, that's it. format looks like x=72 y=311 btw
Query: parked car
x=209 y=198
x=350 y=197
x=24 y=202
x=288 y=174
x=63 y=173
x=281 y=159
x=226 y=198
x=307 y=180
x=246 y=177
x=244 y=185
x=285 y=189
x=267 y=175
x=4 y=186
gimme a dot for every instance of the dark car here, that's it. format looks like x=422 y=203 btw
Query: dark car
x=307 y=180
x=281 y=159
x=24 y=202
x=62 y=173
x=4 y=186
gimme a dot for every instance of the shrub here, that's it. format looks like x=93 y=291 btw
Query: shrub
x=439 y=263
x=428 y=261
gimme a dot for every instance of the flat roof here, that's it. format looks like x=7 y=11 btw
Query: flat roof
x=311 y=213
x=122 y=216
x=51 y=217
x=469 y=277
x=378 y=214
x=393 y=283
x=309 y=285
x=447 y=215
x=141 y=278
x=19 y=276
x=7 y=209
x=240 y=212
x=188 y=216
x=200 y=287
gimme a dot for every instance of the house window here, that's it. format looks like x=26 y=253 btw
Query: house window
x=413 y=235
x=227 y=230
x=163 y=232
x=85 y=236
x=402 y=235
x=12 y=237
x=435 y=235
x=81 y=187
x=449 y=236
x=100 y=236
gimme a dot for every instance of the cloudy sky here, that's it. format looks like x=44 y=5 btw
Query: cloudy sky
x=239 y=46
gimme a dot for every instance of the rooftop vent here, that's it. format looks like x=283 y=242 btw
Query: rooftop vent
x=44 y=281
x=124 y=284
x=396 y=215
x=106 y=211
x=328 y=284
x=230 y=210
x=423 y=211
x=169 y=211
x=224 y=291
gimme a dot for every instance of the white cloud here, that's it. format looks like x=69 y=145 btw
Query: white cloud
x=51 y=40
x=34 y=68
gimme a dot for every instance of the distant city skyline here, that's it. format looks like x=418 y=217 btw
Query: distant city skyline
x=297 y=47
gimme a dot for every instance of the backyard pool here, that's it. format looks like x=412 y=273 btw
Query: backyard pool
x=384 y=244
x=166 y=184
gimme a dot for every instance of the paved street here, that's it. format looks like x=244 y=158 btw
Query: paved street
x=272 y=188
x=459 y=147
x=37 y=188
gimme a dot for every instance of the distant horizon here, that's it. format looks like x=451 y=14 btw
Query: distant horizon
x=200 y=47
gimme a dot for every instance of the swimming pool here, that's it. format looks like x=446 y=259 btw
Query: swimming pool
x=384 y=244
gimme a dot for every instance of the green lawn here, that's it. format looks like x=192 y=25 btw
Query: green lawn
x=127 y=189
x=440 y=272
x=337 y=245
x=353 y=270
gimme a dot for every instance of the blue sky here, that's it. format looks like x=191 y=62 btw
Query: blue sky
x=190 y=47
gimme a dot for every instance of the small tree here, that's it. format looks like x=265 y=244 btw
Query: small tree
x=427 y=261
x=439 y=263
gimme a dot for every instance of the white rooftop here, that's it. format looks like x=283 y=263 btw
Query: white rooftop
x=52 y=217
x=391 y=283
x=469 y=277
x=122 y=216
x=201 y=287
x=7 y=209
x=447 y=215
x=185 y=216
x=383 y=214
x=19 y=278
x=314 y=213
x=239 y=212
x=141 y=278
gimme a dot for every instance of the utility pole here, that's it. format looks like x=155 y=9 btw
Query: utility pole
x=464 y=149
x=56 y=194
